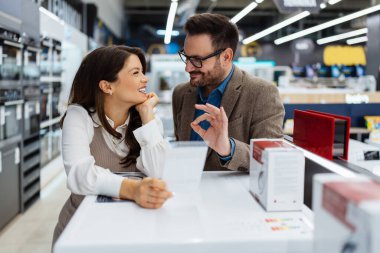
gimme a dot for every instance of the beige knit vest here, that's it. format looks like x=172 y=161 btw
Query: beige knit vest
x=105 y=158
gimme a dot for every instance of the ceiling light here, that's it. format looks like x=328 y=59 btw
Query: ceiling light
x=259 y=1
x=342 y=36
x=327 y=24
x=332 y=2
x=244 y=12
x=322 y=6
x=170 y=21
x=163 y=32
x=357 y=40
x=276 y=27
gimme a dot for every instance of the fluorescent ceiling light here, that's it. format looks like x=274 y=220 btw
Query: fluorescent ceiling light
x=342 y=36
x=244 y=12
x=357 y=40
x=276 y=27
x=327 y=24
x=259 y=1
x=163 y=32
x=169 y=23
x=332 y=2
x=322 y=6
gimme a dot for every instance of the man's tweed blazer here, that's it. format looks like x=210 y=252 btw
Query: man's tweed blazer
x=254 y=110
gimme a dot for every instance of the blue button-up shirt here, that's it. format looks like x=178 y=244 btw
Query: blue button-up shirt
x=215 y=98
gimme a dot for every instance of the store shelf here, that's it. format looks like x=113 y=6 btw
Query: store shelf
x=51 y=122
x=30 y=148
x=50 y=79
x=31 y=190
x=31 y=163
x=30 y=177
x=10 y=141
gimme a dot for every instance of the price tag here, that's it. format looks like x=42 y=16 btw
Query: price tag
x=26 y=111
x=17 y=155
x=18 y=112
x=2 y=116
x=38 y=108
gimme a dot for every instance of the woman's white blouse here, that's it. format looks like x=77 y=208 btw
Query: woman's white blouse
x=86 y=178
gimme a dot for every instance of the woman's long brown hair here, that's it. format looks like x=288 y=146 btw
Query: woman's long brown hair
x=105 y=63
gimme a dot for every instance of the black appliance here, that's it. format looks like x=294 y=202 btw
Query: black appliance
x=45 y=56
x=57 y=58
x=10 y=112
x=10 y=57
x=9 y=182
x=56 y=92
x=45 y=101
x=31 y=65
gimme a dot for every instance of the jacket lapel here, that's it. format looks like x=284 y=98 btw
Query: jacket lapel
x=230 y=96
x=232 y=92
x=189 y=100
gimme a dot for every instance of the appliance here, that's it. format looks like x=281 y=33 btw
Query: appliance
x=45 y=101
x=31 y=111
x=45 y=56
x=9 y=182
x=56 y=92
x=50 y=89
x=56 y=58
x=31 y=65
x=46 y=144
x=30 y=167
x=10 y=112
x=10 y=57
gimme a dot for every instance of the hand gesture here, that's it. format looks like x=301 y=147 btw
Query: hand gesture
x=216 y=136
x=145 y=109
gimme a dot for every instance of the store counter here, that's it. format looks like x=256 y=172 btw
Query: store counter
x=222 y=216
x=356 y=157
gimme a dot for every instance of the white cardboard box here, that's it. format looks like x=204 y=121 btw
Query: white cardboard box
x=277 y=172
x=346 y=214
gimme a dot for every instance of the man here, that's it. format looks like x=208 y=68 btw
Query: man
x=222 y=104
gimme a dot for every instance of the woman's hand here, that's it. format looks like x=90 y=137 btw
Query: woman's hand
x=145 y=109
x=148 y=192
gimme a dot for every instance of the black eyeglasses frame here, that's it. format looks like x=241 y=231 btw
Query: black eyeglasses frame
x=186 y=58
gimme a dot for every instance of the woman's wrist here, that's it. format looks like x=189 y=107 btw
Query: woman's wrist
x=128 y=189
x=146 y=114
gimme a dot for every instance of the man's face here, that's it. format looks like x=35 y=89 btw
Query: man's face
x=211 y=74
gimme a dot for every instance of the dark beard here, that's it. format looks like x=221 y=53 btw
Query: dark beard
x=210 y=81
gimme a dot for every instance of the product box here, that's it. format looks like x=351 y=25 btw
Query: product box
x=277 y=171
x=346 y=214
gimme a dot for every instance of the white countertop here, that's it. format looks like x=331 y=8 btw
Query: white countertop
x=221 y=216
x=356 y=157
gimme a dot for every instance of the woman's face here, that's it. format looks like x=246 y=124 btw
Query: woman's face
x=130 y=87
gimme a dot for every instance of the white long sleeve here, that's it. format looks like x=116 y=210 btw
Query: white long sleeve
x=83 y=176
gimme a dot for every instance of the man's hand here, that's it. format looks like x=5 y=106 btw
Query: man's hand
x=216 y=136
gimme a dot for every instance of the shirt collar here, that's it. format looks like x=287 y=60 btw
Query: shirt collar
x=222 y=86
x=97 y=123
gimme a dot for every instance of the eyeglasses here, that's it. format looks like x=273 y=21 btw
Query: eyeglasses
x=197 y=61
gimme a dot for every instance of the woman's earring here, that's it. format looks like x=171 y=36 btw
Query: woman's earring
x=110 y=93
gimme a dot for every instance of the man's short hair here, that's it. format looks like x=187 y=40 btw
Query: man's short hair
x=223 y=33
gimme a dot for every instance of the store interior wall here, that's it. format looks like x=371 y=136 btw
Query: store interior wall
x=112 y=13
x=283 y=55
x=373 y=44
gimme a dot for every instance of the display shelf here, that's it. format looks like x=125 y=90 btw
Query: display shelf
x=50 y=122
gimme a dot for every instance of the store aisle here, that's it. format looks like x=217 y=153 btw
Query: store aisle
x=33 y=230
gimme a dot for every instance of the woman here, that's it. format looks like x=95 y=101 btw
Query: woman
x=109 y=126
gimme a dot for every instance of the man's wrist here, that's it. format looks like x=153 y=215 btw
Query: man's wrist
x=232 y=151
x=227 y=149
